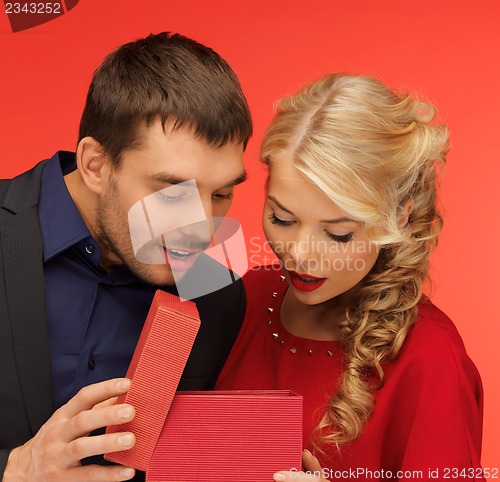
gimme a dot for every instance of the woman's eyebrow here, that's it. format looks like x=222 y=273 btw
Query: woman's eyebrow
x=339 y=220
x=326 y=221
x=275 y=201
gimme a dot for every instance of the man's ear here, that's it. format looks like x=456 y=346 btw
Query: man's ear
x=405 y=213
x=93 y=164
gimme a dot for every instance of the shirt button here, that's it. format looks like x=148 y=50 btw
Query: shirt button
x=89 y=248
x=91 y=363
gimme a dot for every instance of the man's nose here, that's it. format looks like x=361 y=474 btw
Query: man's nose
x=201 y=231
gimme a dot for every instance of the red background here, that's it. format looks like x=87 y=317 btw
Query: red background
x=446 y=50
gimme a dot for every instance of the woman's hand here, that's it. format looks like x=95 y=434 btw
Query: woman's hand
x=310 y=463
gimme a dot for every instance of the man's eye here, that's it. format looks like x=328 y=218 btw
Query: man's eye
x=223 y=197
x=172 y=198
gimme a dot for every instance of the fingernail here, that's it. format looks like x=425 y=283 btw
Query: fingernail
x=125 y=412
x=279 y=477
x=126 y=440
x=307 y=452
x=123 y=384
x=127 y=472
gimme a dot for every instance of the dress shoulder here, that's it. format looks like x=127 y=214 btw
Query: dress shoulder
x=434 y=335
x=441 y=391
x=434 y=353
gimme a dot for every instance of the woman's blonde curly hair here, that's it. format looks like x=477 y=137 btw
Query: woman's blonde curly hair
x=372 y=152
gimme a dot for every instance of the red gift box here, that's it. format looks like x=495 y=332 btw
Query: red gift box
x=202 y=436
x=156 y=368
x=227 y=436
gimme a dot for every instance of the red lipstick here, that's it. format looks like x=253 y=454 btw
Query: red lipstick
x=305 y=282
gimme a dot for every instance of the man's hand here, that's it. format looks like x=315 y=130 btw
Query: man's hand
x=310 y=463
x=54 y=453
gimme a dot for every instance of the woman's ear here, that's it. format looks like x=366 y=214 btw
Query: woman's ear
x=405 y=213
x=92 y=164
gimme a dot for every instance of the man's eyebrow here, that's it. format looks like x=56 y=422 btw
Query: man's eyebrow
x=326 y=221
x=167 y=178
x=238 y=180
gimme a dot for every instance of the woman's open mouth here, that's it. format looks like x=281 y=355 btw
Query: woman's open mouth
x=305 y=282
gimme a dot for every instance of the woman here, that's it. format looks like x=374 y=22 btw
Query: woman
x=350 y=213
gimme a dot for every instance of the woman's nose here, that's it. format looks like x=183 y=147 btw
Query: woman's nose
x=302 y=249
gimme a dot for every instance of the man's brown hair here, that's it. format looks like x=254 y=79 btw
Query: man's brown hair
x=165 y=76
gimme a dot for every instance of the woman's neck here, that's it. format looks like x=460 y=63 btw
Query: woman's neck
x=315 y=322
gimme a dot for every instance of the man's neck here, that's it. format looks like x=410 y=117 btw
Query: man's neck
x=79 y=191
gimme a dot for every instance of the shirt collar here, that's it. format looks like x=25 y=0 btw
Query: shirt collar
x=61 y=224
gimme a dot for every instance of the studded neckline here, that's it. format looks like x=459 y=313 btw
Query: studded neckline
x=286 y=340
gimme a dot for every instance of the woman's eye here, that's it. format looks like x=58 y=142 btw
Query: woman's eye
x=280 y=222
x=344 y=238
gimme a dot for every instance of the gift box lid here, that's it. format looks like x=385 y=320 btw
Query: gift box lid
x=156 y=368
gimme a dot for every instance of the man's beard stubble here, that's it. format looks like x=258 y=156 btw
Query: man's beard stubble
x=112 y=233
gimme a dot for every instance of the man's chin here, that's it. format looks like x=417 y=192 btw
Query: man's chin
x=157 y=275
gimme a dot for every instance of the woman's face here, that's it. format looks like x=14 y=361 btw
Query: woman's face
x=324 y=253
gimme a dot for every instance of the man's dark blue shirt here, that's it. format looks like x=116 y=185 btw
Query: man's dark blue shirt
x=94 y=317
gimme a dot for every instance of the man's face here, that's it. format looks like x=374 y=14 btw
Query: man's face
x=163 y=159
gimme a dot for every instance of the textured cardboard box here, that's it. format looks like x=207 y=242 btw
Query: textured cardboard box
x=227 y=436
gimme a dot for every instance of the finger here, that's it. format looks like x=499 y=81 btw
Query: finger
x=281 y=476
x=90 y=420
x=287 y=476
x=106 y=403
x=98 y=473
x=97 y=445
x=310 y=462
x=91 y=395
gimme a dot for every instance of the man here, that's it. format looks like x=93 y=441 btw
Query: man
x=160 y=111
